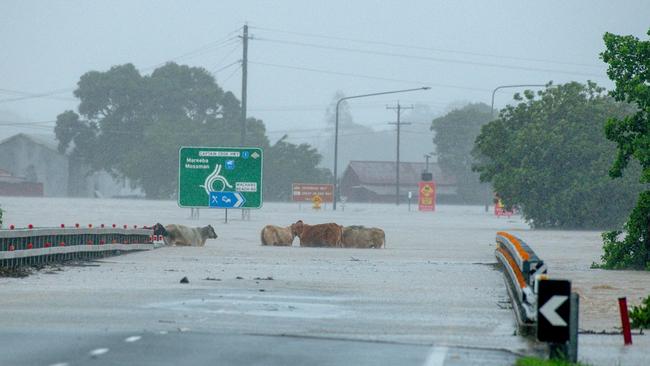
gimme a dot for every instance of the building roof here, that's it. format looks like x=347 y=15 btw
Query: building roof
x=383 y=172
x=7 y=177
x=47 y=141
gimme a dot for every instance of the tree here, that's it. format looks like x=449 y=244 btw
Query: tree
x=132 y=126
x=548 y=155
x=288 y=163
x=629 y=68
x=454 y=136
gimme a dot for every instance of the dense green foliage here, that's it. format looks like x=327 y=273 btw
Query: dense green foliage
x=534 y=361
x=284 y=165
x=548 y=156
x=133 y=125
x=454 y=138
x=640 y=315
x=629 y=68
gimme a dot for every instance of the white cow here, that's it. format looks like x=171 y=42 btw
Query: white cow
x=188 y=236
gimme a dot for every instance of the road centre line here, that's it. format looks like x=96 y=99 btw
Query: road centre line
x=98 y=352
x=436 y=357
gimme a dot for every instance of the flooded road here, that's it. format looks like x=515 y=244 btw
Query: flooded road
x=434 y=286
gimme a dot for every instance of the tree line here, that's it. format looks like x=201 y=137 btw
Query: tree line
x=132 y=126
x=569 y=156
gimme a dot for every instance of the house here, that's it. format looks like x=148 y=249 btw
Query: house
x=374 y=181
x=36 y=158
x=11 y=185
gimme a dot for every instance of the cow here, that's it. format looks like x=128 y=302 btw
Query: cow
x=321 y=235
x=188 y=236
x=363 y=237
x=158 y=229
x=277 y=236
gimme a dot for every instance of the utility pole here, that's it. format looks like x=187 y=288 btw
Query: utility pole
x=336 y=129
x=398 y=123
x=244 y=82
x=245 y=213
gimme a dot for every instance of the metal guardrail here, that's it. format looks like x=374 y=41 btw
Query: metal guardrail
x=34 y=246
x=522 y=266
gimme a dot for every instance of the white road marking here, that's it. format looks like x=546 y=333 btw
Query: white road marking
x=133 y=339
x=98 y=352
x=60 y=364
x=436 y=357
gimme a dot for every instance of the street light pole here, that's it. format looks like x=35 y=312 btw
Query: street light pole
x=427 y=157
x=510 y=86
x=487 y=198
x=336 y=130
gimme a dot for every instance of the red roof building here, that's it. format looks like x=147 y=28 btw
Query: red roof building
x=374 y=181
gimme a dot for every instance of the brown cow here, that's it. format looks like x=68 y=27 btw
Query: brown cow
x=321 y=235
x=277 y=236
x=363 y=237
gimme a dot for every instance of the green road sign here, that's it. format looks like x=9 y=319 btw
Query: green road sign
x=220 y=177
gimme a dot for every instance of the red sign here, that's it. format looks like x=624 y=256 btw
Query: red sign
x=305 y=192
x=427 y=201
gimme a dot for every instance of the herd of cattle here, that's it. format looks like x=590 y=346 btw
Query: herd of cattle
x=320 y=235
x=324 y=235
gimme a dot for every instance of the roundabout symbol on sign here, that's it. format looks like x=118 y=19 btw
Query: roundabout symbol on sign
x=208 y=185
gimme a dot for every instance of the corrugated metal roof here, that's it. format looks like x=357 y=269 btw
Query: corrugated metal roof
x=383 y=172
x=48 y=141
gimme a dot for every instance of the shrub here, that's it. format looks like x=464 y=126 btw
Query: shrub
x=640 y=315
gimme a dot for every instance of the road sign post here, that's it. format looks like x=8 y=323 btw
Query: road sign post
x=557 y=317
x=220 y=177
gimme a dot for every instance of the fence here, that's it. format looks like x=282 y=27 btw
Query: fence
x=35 y=246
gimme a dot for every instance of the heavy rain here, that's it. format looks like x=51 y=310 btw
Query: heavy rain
x=324 y=183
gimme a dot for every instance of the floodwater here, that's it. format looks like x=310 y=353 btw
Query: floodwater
x=435 y=283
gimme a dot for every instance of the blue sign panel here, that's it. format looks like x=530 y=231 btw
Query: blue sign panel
x=226 y=199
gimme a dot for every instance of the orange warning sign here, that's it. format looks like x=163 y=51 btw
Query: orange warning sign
x=427 y=201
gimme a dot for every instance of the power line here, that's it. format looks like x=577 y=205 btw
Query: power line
x=427 y=58
x=195 y=53
x=470 y=53
x=231 y=75
x=225 y=67
x=211 y=46
x=28 y=95
x=368 y=76
x=218 y=65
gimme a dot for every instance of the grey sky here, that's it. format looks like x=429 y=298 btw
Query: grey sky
x=466 y=49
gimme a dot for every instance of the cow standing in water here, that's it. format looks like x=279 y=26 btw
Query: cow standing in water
x=182 y=235
x=277 y=236
x=321 y=235
x=363 y=237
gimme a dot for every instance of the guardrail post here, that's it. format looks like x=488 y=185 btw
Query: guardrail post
x=573 y=327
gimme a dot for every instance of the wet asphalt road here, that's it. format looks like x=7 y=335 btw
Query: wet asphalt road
x=432 y=297
x=191 y=348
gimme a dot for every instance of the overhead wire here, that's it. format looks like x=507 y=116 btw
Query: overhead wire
x=208 y=47
x=425 y=58
x=420 y=82
x=422 y=48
